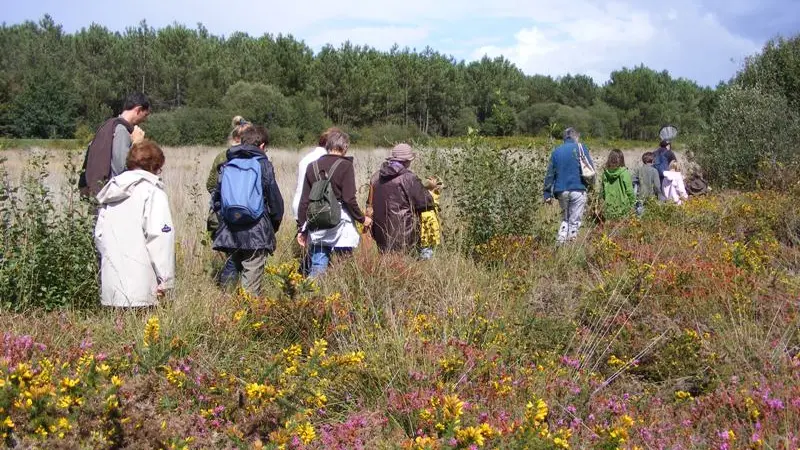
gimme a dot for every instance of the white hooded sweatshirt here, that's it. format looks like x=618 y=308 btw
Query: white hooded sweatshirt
x=135 y=236
x=673 y=187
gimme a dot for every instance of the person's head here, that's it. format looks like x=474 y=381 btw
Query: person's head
x=648 y=158
x=615 y=159
x=145 y=155
x=323 y=138
x=675 y=166
x=238 y=125
x=402 y=153
x=255 y=135
x=337 y=141
x=136 y=108
x=665 y=143
x=572 y=133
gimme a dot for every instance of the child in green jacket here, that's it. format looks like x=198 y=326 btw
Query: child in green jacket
x=617 y=189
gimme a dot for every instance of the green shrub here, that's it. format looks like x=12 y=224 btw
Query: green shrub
x=388 y=135
x=48 y=258
x=752 y=137
x=189 y=126
x=493 y=192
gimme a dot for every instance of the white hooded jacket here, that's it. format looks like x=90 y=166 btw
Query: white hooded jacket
x=673 y=186
x=135 y=236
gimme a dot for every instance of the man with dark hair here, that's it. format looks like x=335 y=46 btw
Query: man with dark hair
x=105 y=157
x=247 y=229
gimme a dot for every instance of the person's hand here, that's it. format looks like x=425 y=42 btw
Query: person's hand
x=161 y=290
x=302 y=239
x=548 y=201
x=367 y=222
x=137 y=135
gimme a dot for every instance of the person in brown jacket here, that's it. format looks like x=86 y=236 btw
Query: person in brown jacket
x=397 y=198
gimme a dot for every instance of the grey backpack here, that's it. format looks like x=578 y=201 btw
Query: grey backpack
x=324 y=210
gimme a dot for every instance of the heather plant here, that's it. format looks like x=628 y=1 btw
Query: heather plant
x=47 y=258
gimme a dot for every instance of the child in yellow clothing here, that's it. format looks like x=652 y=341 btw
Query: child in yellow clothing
x=430 y=230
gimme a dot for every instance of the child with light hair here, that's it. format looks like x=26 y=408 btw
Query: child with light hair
x=430 y=229
x=673 y=185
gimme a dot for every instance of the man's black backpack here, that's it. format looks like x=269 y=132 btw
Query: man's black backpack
x=324 y=210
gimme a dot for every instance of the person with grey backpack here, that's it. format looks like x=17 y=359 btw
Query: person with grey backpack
x=328 y=207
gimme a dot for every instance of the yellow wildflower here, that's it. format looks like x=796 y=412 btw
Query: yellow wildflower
x=306 y=432
x=152 y=330
x=452 y=408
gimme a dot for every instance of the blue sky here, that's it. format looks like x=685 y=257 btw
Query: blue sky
x=704 y=40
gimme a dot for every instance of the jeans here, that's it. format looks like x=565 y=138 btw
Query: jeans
x=321 y=258
x=229 y=274
x=572 y=206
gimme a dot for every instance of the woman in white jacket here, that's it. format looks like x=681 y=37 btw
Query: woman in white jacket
x=135 y=234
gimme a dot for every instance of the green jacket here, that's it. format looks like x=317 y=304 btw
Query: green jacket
x=213 y=174
x=618 y=196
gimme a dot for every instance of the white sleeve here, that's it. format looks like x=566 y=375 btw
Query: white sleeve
x=298 y=191
x=682 y=188
x=159 y=233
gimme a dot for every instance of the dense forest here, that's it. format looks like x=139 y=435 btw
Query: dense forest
x=55 y=84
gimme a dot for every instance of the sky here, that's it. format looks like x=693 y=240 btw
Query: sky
x=703 y=40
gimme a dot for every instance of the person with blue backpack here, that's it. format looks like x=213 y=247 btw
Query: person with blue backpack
x=250 y=207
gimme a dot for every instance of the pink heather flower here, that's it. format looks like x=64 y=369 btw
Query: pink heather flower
x=452 y=442
x=775 y=403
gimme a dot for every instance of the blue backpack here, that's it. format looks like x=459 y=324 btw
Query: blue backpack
x=241 y=192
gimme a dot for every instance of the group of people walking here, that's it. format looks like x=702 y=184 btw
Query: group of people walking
x=571 y=173
x=135 y=233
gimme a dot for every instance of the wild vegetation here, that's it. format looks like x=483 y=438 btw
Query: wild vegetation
x=678 y=329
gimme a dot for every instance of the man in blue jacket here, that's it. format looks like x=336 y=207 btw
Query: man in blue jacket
x=563 y=182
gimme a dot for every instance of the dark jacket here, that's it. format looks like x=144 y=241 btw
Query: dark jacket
x=343 y=183
x=564 y=170
x=97 y=163
x=397 y=200
x=667 y=156
x=261 y=234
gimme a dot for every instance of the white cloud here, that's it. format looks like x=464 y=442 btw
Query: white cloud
x=605 y=39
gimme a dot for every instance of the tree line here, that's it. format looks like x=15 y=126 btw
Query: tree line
x=55 y=84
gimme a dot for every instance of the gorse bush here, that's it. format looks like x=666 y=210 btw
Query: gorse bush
x=47 y=259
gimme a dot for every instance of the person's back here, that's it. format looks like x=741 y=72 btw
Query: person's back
x=566 y=168
x=618 y=196
x=249 y=243
x=673 y=185
x=135 y=237
x=430 y=229
x=649 y=184
x=398 y=198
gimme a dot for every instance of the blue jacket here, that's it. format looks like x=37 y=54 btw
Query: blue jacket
x=261 y=234
x=564 y=170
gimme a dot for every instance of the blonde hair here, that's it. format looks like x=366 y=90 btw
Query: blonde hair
x=238 y=126
x=675 y=166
